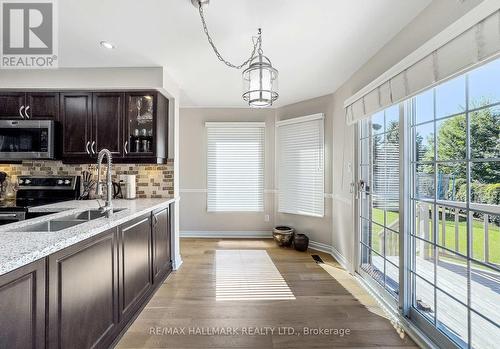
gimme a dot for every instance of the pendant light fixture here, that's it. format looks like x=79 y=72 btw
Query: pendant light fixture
x=260 y=78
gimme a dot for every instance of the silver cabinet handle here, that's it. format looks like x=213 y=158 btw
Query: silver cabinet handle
x=7 y=215
x=87 y=147
x=21 y=111
x=26 y=112
x=125 y=147
x=92 y=147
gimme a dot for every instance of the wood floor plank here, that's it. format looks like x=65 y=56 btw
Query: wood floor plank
x=326 y=297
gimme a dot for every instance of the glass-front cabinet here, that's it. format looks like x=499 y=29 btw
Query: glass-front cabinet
x=140 y=126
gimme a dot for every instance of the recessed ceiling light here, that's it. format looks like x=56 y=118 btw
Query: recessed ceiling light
x=108 y=45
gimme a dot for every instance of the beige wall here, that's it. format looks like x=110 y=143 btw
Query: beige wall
x=193 y=172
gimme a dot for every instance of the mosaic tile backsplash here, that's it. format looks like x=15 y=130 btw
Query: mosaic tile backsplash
x=152 y=180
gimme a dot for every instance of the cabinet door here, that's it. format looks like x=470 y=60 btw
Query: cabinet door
x=11 y=104
x=161 y=244
x=83 y=293
x=107 y=121
x=135 y=264
x=22 y=307
x=76 y=120
x=43 y=105
x=140 y=126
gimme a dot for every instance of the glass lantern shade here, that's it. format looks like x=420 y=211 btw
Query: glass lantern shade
x=260 y=83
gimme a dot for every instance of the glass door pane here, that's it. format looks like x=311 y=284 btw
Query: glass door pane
x=139 y=124
x=379 y=198
x=455 y=209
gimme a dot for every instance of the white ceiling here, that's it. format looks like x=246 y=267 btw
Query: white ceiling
x=315 y=44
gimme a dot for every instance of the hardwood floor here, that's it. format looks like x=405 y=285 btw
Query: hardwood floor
x=216 y=289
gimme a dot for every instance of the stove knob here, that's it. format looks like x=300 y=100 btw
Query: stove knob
x=60 y=181
x=21 y=181
x=27 y=181
x=67 y=181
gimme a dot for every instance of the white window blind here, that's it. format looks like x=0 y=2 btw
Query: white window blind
x=301 y=165
x=235 y=167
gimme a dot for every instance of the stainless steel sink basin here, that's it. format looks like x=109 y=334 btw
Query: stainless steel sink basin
x=64 y=222
x=87 y=215
x=54 y=225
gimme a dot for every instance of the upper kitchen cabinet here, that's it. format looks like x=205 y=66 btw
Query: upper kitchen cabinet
x=133 y=125
x=76 y=122
x=29 y=105
x=12 y=105
x=107 y=122
x=146 y=127
x=42 y=105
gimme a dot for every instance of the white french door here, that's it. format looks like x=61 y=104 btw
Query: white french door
x=429 y=209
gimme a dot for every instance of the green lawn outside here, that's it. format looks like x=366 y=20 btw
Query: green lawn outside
x=478 y=235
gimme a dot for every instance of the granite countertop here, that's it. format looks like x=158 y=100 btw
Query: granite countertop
x=21 y=248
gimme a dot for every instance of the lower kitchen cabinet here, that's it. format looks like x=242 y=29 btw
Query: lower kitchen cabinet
x=162 y=263
x=83 y=293
x=22 y=307
x=135 y=264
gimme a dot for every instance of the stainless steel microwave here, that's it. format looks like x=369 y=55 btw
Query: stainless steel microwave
x=26 y=139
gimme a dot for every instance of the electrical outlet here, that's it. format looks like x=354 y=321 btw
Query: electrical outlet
x=266 y=218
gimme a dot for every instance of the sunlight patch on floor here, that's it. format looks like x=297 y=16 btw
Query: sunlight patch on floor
x=353 y=287
x=248 y=275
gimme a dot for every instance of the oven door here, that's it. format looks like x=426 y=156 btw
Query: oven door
x=26 y=139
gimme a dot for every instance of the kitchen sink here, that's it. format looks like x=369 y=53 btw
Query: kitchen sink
x=64 y=222
x=53 y=225
x=88 y=215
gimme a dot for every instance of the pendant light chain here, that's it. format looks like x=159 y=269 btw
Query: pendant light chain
x=256 y=43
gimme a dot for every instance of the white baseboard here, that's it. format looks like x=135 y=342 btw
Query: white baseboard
x=332 y=251
x=341 y=259
x=319 y=246
x=176 y=263
x=227 y=234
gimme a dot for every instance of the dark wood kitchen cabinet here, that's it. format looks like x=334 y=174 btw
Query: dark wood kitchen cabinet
x=83 y=293
x=135 y=264
x=133 y=125
x=107 y=122
x=76 y=125
x=11 y=104
x=40 y=105
x=162 y=263
x=22 y=307
x=146 y=126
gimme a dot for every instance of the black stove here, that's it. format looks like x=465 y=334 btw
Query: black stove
x=38 y=191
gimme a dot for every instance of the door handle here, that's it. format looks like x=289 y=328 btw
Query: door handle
x=125 y=147
x=92 y=147
x=26 y=112
x=87 y=147
x=21 y=111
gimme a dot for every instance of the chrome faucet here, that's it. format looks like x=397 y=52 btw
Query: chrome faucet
x=108 y=207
